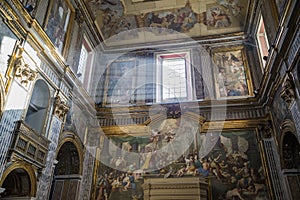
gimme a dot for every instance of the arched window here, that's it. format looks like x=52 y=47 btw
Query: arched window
x=38 y=106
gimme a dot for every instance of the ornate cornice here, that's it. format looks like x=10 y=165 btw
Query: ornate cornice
x=146 y=114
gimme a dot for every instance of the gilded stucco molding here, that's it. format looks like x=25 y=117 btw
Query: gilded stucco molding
x=141 y=116
x=18 y=69
x=23 y=72
x=2 y=93
x=60 y=108
x=26 y=27
x=28 y=168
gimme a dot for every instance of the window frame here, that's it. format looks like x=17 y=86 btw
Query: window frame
x=86 y=68
x=159 y=57
x=67 y=25
x=262 y=37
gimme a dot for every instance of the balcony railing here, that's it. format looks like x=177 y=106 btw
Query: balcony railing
x=29 y=145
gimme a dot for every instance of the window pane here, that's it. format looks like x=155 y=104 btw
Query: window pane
x=262 y=41
x=174 y=78
x=82 y=63
x=7 y=43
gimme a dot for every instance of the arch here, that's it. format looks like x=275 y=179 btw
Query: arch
x=68 y=170
x=68 y=160
x=14 y=171
x=38 y=106
x=287 y=126
x=289 y=146
x=75 y=140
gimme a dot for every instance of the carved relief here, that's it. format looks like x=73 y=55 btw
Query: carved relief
x=173 y=110
x=60 y=109
x=266 y=130
x=288 y=91
x=78 y=17
x=22 y=70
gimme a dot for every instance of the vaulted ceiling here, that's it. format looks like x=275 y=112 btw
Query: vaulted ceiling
x=147 y=21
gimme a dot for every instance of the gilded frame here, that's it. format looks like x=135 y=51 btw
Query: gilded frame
x=263 y=188
x=232 y=76
x=69 y=21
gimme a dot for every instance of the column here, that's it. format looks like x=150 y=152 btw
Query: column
x=58 y=117
x=272 y=161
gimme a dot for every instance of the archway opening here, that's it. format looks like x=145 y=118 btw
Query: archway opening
x=66 y=180
x=290 y=151
x=16 y=184
x=68 y=160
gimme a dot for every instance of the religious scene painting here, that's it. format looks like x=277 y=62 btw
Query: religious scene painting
x=236 y=170
x=229 y=161
x=180 y=20
x=58 y=23
x=230 y=74
x=224 y=15
x=120 y=82
x=193 y=19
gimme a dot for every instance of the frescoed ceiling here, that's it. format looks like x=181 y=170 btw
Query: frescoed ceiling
x=126 y=19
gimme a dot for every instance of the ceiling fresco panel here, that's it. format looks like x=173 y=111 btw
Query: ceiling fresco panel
x=195 y=18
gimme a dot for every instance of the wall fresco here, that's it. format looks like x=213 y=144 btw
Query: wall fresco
x=231 y=163
x=58 y=23
x=197 y=19
x=230 y=74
